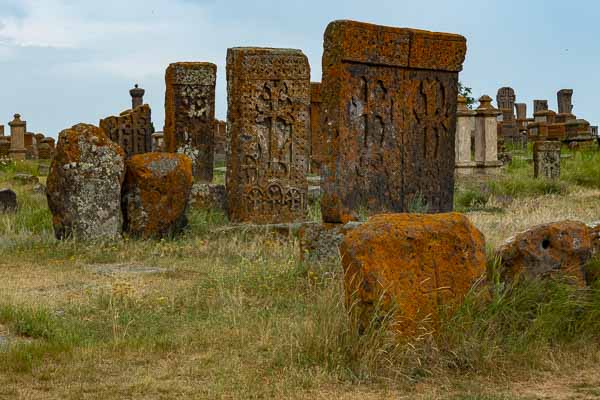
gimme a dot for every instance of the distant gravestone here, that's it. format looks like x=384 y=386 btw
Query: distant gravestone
x=540 y=105
x=317 y=142
x=506 y=103
x=4 y=146
x=18 y=128
x=44 y=151
x=8 y=201
x=546 y=159
x=565 y=101
x=521 y=111
x=190 y=114
x=268 y=120
x=132 y=130
x=389 y=110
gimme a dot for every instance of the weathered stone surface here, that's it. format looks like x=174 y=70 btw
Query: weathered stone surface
x=30 y=146
x=221 y=139
x=132 y=130
x=505 y=98
x=190 y=114
x=545 y=250
x=18 y=128
x=44 y=151
x=389 y=111
x=268 y=120
x=413 y=261
x=564 y=100
x=4 y=146
x=546 y=159
x=318 y=144
x=84 y=185
x=208 y=196
x=155 y=194
x=540 y=105
x=320 y=243
x=8 y=201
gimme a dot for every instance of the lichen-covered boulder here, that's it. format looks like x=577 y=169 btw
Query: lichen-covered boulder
x=549 y=249
x=208 y=196
x=84 y=185
x=155 y=194
x=8 y=201
x=410 y=266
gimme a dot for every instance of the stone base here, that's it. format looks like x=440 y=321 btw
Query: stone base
x=18 y=154
x=489 y=168
x=208 y=196
x=465 y=168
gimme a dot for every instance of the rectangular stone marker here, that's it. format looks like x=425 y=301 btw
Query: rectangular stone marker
x=132 y=130
x=317 y=141
x=546 y=159
x=268 y=94
x=190 y=114
x=389 y=110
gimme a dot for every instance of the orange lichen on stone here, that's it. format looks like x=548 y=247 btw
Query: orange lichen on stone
x=155 y=194
x=411 y=265
x=545 y=250
x=388 y=118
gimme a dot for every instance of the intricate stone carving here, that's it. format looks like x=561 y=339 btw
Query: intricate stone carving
x=132 y=130
x=389 y=110
x=190 y=114
x=268 y=121
x=546 y=159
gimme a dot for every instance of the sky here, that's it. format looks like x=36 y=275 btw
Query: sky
x=68 y=61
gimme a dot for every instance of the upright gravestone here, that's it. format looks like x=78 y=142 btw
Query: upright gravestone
x=546 y=159
x=30 y=146
x=486 y=136
x=465 y=128
x=221 y=141
x=317 y=143
x=540 y=105
x=1 y=130
x=137 y=96
x=389 y=111
x=132 y=130
x=565 y=101
x=506 y=103
x=268 y=94
x=190 y=114
x=17 y=138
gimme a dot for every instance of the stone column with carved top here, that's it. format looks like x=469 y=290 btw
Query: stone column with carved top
x=486 y=136
x=18 y=129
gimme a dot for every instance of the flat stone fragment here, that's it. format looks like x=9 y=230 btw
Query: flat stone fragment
x=8 y=201
x=268 y=121
x=84 y=185
x=155 y=194
x=389 y=114
x=190 y=114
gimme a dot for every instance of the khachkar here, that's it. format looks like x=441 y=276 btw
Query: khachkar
x=190 y=114
x=17 y=138
x=506 y=103
x=546 y=159
x=389 y=114
x=268 y=94
x=132 y=129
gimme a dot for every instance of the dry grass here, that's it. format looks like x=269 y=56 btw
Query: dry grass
x=238 y=316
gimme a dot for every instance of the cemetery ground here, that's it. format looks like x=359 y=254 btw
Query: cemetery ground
x=218 y=313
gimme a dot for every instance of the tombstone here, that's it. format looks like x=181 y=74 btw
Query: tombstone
x=1 y=130
x=31 y=146
x=132 y=130
x=465 y=127
x=594 y=130
x=546 y=159
x=39 y=137
x=389 y=110
x=540 y=105
x=17 y=138
x=44 y=151
x=190 y=114
x=157 y=142
x=4 y=146
x=486 y=136
x=578 y=130
x=221 y=141
x=521 y=111
x=268 y=95
x=506 y=103
x=137 y=96
x=317 y=142
x=565 y=104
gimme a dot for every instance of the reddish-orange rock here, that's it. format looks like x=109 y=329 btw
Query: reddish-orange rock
x=415 y=262
x=155 y=194
x=544 y=250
